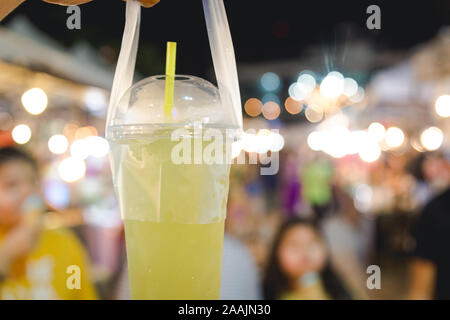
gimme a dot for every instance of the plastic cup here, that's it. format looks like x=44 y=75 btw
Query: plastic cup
x=171 y=176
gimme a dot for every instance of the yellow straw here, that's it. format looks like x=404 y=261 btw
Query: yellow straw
x=170 y=78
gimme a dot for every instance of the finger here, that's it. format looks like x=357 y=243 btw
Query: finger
x=68 y=2
x=147 y=3
x=8 y=6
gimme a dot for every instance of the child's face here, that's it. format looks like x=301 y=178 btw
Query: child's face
x=301 y=251
x=17 y=181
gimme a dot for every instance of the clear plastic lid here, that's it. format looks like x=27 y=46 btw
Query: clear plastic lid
x=195 y=101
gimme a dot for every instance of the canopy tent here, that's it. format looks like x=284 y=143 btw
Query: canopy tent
x=405 y=93
x=432 y=60
x=22 y=44
x=70 y=77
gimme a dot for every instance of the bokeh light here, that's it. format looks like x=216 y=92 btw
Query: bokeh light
x=313 y=114
x=270 y=81
x=376 y=131
x=58 y=144
x=35 y=101
x=276 y=142
x=97 y=147
x=299 y=91
x=236 y=149
x=307 y=82
x=57 y=194
x=264 y=132
x=363 y=197
x=394 y=137
x=253 y=107
x=357 y=140
x=95 y=100
x=85 y=132
x=262 y=142
x=358 y=96
x=249 y=142
x=332 y=85
x=71 y=169
x=79 y=149
x=370 y=152
x=70 y=130
x=21 y=134
x=350 y=87
x=316 y=140
x=270 y=97
x=416 y=144
x=292 y=106
x=432 y=138
x=337 y=141
x=442 y=106
x=271 y=110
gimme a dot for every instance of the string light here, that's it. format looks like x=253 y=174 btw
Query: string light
x=376 y=131
x=271 y=110
x=72 y=169
x=350 y=87
x=358 y=96
x=394 y=137
x=270 y=97
x=58 y=144
x=313 y=114
x=21 y=134
x=270 y=81
x=276 y=142
x=432 y=138
x=253 y=107
x=332 y=85
x=370 y=152
x=79 y=149
x=316 y=140
x=97 y=147
x=306 y=82
x=35 y=101
x=292 y=106
x=442 y=106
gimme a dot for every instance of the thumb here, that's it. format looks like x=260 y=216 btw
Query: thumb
x=147 y=3
x=68 y=2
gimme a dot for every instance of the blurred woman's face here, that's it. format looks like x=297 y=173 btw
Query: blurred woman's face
x=17 y=181
x=301 y=251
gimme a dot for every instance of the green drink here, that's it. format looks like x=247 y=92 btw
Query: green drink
x=174 y=211
x=174 y=216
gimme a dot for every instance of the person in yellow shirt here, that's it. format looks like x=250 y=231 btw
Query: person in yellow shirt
x=6 y=6
x=35 y=262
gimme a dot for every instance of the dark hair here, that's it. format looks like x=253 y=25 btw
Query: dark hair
x=275 y=282
x=9 y=154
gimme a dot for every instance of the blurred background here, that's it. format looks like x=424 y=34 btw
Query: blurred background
x=363 y=117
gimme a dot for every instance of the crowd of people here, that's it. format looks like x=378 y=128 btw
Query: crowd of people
x=305 y=233
x=312 y=231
